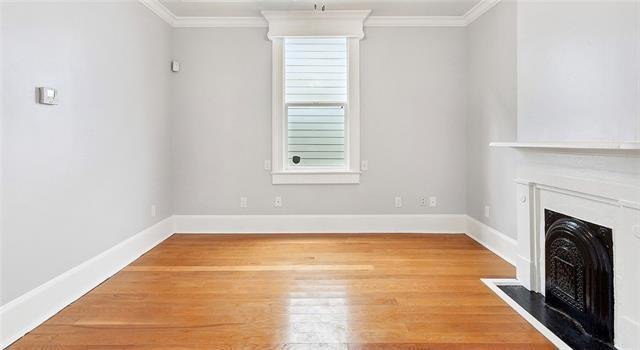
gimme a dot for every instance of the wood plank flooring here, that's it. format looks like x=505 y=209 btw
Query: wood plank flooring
x=359 y=291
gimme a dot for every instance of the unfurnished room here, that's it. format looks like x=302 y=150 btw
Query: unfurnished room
x=320 y=174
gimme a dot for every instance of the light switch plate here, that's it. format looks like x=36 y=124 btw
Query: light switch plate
x=47 y=96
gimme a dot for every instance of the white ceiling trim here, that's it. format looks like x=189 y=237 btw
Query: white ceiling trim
x=478 y=10
x=415 y=21
x=221 y=22
x=162 y=11
x=373 y=21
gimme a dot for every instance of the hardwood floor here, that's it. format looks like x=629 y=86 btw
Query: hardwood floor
x=359 y=291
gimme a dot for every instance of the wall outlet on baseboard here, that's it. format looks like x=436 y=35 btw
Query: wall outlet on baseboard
x=422 y=201
x=277 y=202
x=398 y=202
x=243 y=202
x=267 y=165
x=433 y=202
x=365 y=165
x=487 y=211
x=154 y=211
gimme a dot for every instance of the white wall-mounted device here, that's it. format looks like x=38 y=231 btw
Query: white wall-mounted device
x=47 y=96
x=175 y=66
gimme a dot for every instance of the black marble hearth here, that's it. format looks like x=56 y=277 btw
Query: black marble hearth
x=560 y=324
x=578 y=303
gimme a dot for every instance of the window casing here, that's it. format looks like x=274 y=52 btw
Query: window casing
x=316 y=122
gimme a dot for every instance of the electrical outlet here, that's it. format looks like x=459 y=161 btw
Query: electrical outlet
x=47 y=96
x=277 y=202
x=243 y=202
x=267 y=165
x=433 y=202
x=398 y=202
x=422 y=201
x=487 y=211
x=636 y=231
x=154 y=211
x=365 y=165
x=175 y=66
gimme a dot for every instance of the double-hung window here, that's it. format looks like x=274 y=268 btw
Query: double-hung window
x=316 y=103
x=316 y=100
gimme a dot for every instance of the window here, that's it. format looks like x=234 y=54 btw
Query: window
x=316 y=110
x=316 y=102
x=316 y=97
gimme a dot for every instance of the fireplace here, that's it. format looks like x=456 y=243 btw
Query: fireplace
x=579 y=273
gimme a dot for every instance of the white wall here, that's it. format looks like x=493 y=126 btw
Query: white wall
x=572 y=73
x=413 y=101
x=492 y=116
x=579 y=70
x=80 y=177
x=579 y=80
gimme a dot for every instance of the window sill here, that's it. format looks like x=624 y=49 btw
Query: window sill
x=315 y=177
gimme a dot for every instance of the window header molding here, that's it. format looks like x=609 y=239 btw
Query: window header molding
x=347 y=23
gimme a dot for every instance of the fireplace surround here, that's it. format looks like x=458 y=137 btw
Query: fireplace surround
x=608 y=200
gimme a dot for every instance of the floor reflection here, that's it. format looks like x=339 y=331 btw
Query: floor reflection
x=318 y=317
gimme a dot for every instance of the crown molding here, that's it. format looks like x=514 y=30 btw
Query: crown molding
x=220 y=22
x=415 y=21
x=372 y=21
x=478 y=10
x=162 y=11
x=355 y=15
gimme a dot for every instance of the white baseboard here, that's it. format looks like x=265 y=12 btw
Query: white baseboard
x=525 y=271
x=23 y=314
x=445 y=223
x=492 y=239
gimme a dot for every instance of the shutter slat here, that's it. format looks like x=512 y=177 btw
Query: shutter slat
x=316 y=141
x=317 y=155
x=316 y=148
x=316 y=126
x=315 y=77
x=333 y=163
x=316 y=98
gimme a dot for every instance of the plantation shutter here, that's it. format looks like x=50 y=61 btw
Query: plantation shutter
x=315 y=98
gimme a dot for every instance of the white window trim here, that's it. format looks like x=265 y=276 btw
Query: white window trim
x=282 y=173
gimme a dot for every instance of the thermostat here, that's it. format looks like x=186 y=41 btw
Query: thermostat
x=47 y=96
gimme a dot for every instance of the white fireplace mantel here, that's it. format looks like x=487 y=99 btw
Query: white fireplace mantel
x=623 y=147
x=608 y=203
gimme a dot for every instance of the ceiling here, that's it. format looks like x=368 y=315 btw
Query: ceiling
x=252 y=8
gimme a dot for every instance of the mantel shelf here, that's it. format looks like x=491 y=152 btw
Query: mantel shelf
x=630 y=146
